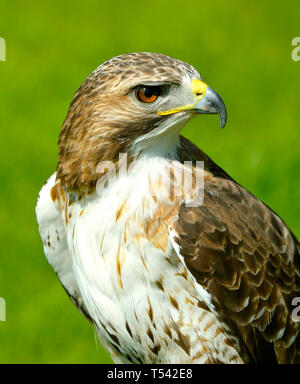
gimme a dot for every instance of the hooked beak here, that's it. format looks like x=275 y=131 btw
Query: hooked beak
x=212 y=103
x=207 y=101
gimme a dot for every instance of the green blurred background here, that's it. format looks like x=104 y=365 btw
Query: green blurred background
x=243 y=50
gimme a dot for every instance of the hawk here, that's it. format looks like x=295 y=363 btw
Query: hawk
x=168 y=270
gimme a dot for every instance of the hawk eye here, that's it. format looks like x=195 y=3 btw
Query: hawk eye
x=148 y=94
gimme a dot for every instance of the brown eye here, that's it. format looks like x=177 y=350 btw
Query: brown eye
x=147 y=94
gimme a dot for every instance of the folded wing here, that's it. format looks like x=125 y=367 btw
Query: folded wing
x=247 y=258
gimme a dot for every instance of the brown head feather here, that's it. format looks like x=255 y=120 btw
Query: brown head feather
x=102 y=120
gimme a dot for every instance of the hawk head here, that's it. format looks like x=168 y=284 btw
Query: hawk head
x=129 y=104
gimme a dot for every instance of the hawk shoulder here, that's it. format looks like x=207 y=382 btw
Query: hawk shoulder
x=49 y=208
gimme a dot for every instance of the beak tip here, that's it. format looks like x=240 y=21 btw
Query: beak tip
x=222 y=112
x=223 y=120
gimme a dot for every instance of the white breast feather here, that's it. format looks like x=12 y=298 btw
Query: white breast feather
x=84 y=255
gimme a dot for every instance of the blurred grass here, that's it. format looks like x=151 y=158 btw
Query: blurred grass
x=242 y=50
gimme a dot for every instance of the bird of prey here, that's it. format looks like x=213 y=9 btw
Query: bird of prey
x=167 y=270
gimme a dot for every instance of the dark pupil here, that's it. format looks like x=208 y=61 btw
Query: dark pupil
x=150 y=91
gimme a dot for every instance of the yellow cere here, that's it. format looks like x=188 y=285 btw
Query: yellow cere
x=199 y=90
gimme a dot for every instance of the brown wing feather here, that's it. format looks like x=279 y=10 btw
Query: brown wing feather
x=248 y=259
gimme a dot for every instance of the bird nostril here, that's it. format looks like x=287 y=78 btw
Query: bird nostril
x=199 y=94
